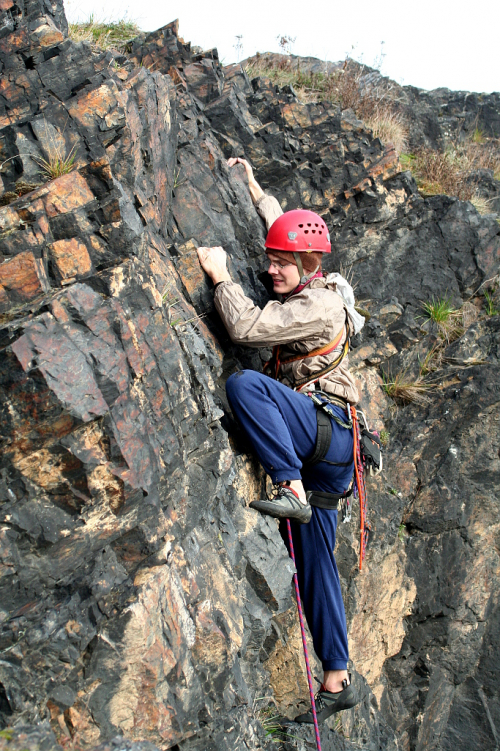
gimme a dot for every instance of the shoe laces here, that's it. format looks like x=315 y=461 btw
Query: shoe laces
x=279 y=489
x=318 y=699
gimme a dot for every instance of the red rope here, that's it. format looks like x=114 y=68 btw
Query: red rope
x=364 y=524
x=304 y=641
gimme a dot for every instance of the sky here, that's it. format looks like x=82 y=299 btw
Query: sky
x=429 y=43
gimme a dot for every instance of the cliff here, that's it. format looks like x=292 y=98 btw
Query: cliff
x=141 y=600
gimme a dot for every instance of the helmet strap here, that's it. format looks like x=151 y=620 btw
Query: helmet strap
x=304 y=278
x=298 y=261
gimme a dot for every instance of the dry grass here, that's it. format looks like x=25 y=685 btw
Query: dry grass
x=390 y=127
x=482 y=205
x=405 y=390
x=437 y=173
x=22 y=188
x=344 y=87
x=448 y=172
x=105 y=35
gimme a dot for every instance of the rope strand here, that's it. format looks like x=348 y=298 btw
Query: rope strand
x=304 y=641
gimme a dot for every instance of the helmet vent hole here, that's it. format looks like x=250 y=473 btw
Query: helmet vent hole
x=306 y=232
x=308 y=224
x=301 y=225
x=313 y=231
x=320 y=232
x=315 y=225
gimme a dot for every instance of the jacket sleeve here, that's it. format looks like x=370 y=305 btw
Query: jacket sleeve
x=276 y=323
x=269 y=209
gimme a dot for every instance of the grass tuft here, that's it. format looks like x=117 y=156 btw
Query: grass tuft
x=405 y=390
x=390 y=127
x=104 y=34
x=491 y=299
x=478 y=136
x=451 y=322
x=439 y=310
x=56 y=165
x=481 y=204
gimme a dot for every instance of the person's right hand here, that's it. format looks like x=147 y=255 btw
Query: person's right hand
x=248 y=168
x=213 y=262
x=255 y=190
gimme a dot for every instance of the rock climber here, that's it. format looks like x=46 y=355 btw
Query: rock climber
x=307 y=326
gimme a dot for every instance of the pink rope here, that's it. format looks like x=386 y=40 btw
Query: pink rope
x=304 y=642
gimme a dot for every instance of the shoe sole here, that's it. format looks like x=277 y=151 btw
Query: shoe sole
x=270 y=509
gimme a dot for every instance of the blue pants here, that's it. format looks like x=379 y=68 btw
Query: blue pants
x=282 y=427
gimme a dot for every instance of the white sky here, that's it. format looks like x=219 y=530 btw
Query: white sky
x=428 y=43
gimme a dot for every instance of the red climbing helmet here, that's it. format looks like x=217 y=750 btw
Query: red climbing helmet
x=299 y=231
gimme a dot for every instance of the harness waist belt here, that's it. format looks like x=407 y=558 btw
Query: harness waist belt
x=326 y=500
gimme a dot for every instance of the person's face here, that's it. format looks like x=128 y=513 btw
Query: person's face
x=285 y=276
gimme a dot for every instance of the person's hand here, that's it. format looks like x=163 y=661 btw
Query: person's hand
x=255 y=190
x=213 y=262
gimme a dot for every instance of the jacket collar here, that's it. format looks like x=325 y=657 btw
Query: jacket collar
x=318 y=274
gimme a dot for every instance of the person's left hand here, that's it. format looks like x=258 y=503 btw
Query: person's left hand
x=213 y=262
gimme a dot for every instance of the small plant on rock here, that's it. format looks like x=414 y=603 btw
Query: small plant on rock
x=390 y=127
x=405 y=390
x=478 y=136
x=492 y=302
x=431 y=361
x=481 y=204
x=56 y=165
x=451 y=322
x=439 y=310
x=270 y=720
x=384 y=437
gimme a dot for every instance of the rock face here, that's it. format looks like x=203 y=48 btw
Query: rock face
x=140 y=597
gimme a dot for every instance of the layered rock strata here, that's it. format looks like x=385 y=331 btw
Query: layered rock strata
x=140 y=596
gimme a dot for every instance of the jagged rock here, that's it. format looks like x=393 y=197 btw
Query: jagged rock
x=139 y=596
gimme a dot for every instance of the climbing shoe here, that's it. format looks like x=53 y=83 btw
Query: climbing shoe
x=284 y=505
x=327 y=703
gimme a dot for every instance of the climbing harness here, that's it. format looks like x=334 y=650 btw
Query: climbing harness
x=367 y=459
x=304 y=641
x=275 y=363
x=272 y=367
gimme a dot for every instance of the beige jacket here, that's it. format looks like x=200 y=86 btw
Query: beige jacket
x=304 y=322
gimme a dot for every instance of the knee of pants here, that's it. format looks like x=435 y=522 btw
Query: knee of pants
x=238 y=384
